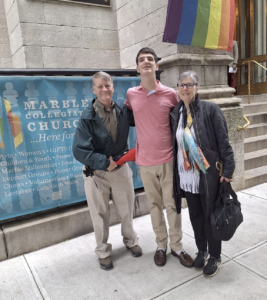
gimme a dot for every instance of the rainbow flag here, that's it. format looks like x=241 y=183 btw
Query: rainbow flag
x=201 y=23
x=14 y=122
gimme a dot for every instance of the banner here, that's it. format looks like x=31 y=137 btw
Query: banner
x=38 y=120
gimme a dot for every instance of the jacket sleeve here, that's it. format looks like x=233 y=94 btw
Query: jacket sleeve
x=222 y=138
x=83 y=149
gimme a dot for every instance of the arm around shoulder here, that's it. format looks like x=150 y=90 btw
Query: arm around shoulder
x=127 y=101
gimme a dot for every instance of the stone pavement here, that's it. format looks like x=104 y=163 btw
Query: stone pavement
x=70 y=270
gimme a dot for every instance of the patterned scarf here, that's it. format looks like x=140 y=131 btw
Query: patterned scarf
x=192 y=153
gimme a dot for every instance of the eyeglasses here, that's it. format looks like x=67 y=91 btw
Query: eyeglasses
x=188 y=85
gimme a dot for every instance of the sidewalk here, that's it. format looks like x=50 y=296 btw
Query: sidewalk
x=70 y=270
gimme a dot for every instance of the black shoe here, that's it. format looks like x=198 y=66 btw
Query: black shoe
x=212 y=266
x=200 y=260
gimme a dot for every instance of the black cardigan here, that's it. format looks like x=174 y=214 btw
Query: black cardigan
x=212 y=137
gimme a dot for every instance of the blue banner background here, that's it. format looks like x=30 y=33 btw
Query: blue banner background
x=41 y=172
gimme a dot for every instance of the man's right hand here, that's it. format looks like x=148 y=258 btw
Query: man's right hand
x=112 y=165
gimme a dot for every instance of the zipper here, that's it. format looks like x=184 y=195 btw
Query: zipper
x=176 y=124
x=173 y=116
x=118 y=128
x=200 y=147
x=220 y=215
x=174 y=136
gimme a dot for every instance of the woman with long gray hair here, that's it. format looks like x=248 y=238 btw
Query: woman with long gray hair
x=200 y=139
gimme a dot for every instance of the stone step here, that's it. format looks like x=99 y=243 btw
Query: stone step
x=256 y=118
x=256 y=130
x=257 y=107
x=255 y=159
x=255 y=143
x=255 y=176
x=253 y=98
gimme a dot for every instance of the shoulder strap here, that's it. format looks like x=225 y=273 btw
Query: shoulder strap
x=228 y=187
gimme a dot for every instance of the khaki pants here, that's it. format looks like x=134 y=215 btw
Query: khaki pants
x=158 y=184
x=121 y=183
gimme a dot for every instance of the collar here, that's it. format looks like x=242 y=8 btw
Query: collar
x=194 y=106
x=158 y=87
x=101 y=107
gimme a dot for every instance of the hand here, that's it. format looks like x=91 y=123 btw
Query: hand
x=234 y=66
x=112 y=165
x=224 y=178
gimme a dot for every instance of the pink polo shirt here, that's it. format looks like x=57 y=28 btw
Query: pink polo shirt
x=152 y=122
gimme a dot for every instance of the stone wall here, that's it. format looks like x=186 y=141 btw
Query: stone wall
x=234 y=117
x=5 y=53
x=141 y=24
x=62 y=35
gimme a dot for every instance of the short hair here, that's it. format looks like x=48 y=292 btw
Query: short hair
x=191 y=74
x=146 y=50
x=102 y=75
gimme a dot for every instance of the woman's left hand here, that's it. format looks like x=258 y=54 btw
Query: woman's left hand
x=224 y=178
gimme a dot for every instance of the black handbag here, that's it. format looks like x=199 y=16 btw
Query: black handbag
x=227 y=215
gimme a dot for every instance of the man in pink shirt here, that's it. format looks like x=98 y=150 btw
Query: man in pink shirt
x=151 y=103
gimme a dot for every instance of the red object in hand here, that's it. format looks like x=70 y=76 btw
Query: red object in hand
x=129 y=156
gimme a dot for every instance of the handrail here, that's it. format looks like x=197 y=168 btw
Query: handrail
x=248 y=62
x=255 y=63
x=244 y=127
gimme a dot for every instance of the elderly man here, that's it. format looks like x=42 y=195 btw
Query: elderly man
x=101 y=136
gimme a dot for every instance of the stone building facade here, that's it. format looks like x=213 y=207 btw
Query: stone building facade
x=54 y=34
x=5 y=53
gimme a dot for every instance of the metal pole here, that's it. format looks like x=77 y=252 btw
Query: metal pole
x=248 y=82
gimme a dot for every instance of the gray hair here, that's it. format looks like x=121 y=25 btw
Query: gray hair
x=191 y=74
x=102 y=75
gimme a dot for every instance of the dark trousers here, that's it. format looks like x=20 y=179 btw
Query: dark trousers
x=201 y=225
